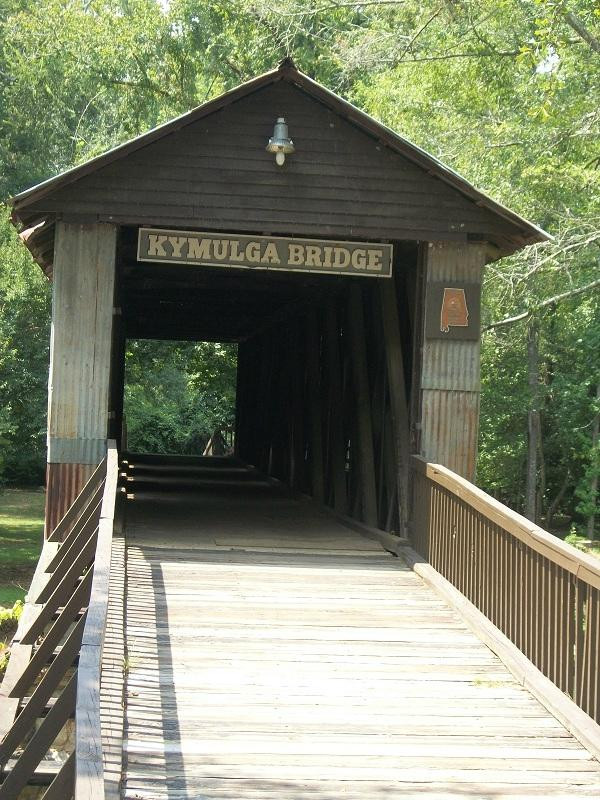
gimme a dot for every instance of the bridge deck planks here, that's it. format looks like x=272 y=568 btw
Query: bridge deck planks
x=272 y=652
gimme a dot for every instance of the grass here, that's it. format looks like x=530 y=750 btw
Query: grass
x=582 y=543
x=21 y=531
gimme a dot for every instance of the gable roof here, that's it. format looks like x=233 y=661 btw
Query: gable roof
x=39 y=234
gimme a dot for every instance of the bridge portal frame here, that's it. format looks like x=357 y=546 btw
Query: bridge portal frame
x=380 y=369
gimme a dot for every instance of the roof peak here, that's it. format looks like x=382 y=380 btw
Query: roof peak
x=524 y=231
x=287 y=63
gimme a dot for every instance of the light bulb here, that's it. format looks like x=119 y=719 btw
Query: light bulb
x=279 y=158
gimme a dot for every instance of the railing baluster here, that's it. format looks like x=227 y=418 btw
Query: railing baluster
x=65 y=612
x=40 y=742
x=543 y=594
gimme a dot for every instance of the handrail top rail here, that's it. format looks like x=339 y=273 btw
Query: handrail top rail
x=582 y=565
x=89 y=770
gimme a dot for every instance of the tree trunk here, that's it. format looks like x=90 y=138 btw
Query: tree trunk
x=533 y=427
x=555 y=503
x=591 y=523
x=541 y=490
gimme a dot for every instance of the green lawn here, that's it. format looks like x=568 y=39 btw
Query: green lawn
x=21 y=532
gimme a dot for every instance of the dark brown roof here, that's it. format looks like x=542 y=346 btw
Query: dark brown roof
x=39 y=229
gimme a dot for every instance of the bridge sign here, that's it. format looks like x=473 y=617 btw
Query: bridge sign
x=265 y=252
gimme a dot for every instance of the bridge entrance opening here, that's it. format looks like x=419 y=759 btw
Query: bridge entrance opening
x=323 y=372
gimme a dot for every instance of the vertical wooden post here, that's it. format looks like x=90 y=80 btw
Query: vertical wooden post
x=262 y=421
x=117 y=377
x=314 y=406
x=280 y=404
x=450 y=371
x=337 y=446
x=397 y=390
x=364 y=428
x=241 y=399
x=80 y=359
x=298 y=382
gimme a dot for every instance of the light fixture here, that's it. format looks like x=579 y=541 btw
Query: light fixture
x=280 y=143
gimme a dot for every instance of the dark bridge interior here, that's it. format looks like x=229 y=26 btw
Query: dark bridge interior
x=314 y=397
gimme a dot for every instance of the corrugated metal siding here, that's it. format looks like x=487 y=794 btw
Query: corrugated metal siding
x=450 y=371
x=63 y=484
x=215 y=174
x=76 y=451
x=81 y=341
x=450 y=425
x=450 y=365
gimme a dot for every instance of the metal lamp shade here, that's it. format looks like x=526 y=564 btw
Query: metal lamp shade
x=280 y=142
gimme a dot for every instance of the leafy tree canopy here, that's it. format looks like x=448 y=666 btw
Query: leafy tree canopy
x=507 y=92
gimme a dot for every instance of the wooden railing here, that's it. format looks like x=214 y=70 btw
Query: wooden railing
x=89 y=770
x=54 y=669
x=543 y=594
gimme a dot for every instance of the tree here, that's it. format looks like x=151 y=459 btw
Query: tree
x=178 y=394
x=507 y=93
x=24 y=331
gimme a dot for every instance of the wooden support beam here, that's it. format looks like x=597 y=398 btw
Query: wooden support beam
x=337 y=444
x=298 y=411
x=397 y=391
x=240 y=396
x=313 y=345
x=279 y=404
x=356 y=329
x=264 y=402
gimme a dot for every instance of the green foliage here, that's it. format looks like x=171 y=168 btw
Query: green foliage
x=178 y=394
x=24 y=331
x=582 y=543
x=9 y=617
x=505 y=91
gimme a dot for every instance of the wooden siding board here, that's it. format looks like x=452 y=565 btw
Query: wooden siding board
x=256 y=215
x=415 y=233
x=362 y=167
x=306 y=187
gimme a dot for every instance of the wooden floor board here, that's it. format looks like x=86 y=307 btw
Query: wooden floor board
x=272 y=652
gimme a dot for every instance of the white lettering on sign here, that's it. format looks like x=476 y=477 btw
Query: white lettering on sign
x=155 y=248
x=263 y=252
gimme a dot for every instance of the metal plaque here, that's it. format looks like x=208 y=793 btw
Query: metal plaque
x=365 y=259
x=453 y=310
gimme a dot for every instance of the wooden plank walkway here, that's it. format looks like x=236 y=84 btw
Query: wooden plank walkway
x=274 y=653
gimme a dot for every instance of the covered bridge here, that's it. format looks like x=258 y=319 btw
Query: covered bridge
x=273 y=646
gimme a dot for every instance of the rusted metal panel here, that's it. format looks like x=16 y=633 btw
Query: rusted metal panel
x=63 y=484
x=81 y=341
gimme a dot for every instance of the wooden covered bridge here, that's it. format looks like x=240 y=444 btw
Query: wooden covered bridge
x=335 y=611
